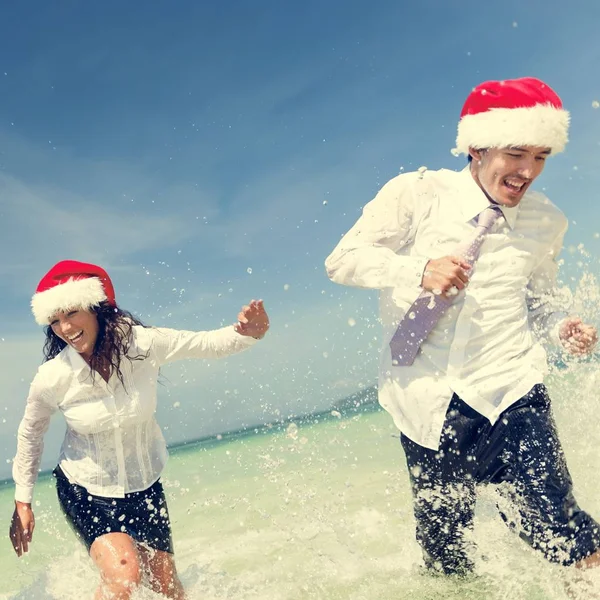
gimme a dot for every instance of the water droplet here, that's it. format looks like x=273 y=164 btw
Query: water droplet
x=292 y=431
x=416 y=470
x=286 y=287
x=249 y=270
x=351 y=322
x=595 y=104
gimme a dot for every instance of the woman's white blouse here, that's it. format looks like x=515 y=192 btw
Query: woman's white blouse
x=113 y=444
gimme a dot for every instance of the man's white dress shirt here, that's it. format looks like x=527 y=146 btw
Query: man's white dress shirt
x=487 y=347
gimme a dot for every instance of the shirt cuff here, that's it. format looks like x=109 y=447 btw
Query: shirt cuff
x=247 y=340
x=555 y=320
x=23 y=493
x=407 y=271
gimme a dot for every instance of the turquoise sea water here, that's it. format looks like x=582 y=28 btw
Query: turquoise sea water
x=316 y=511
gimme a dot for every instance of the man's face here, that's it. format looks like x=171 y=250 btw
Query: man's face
x=505 y=174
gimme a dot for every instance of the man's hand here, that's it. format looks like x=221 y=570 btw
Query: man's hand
x=446 y=275
x=21 y=527
x=253 y=320
x=577 y=337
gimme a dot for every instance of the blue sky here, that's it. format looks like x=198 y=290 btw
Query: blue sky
x=182 y=144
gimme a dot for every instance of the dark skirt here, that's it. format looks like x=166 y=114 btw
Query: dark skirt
x=142 y=515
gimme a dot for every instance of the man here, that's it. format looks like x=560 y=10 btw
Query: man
x=466 y=265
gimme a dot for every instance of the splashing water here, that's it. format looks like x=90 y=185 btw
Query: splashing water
x=323 y=510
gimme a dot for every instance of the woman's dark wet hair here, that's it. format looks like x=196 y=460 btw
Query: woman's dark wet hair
x=115 y=335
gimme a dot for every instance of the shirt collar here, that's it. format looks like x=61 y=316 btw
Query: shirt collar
x=473 y=200
x=79 y=366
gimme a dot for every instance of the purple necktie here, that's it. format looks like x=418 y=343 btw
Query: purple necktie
x=428 y=308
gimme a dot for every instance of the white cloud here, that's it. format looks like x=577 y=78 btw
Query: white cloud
x=48 y=219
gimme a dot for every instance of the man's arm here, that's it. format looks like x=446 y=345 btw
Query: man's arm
x=366 y=256
x=546 y=302
x=548 y=307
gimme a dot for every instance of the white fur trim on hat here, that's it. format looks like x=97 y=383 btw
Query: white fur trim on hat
x=541 y=125
x=73 y=294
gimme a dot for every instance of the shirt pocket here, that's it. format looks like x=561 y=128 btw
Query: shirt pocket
x=436 y=238
x=509 y=265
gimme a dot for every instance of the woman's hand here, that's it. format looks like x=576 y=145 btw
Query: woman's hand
x=253 y=320
x=21 y=529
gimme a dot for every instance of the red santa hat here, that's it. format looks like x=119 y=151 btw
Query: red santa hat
x=69 y=285
x=513 y=112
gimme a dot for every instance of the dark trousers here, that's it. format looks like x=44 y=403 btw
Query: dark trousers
x=521 y=451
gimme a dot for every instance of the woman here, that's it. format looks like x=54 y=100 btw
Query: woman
x=101 y=372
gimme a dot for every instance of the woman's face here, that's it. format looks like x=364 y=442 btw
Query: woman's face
x=78 y=328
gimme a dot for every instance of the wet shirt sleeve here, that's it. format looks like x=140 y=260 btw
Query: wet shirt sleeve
x=41 y=404
x=547 y=303
x=170 y=344
x=367 y=255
